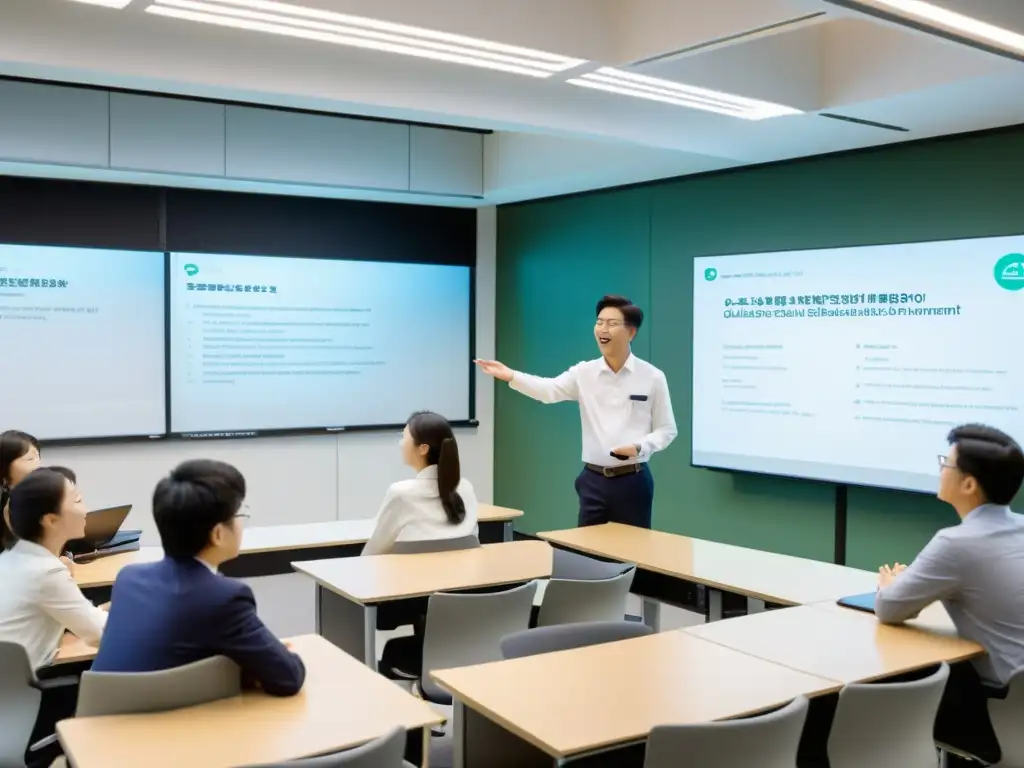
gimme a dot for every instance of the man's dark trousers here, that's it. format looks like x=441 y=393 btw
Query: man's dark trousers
x=626 y=499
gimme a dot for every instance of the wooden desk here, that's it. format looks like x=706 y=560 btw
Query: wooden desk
x=349 y=589
x=759 y=576
x=837 y=643
x=342 y=705
x=72 y=650
x=269 y=550
x=543 y=709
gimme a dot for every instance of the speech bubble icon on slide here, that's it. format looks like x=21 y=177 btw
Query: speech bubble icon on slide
x=710 y=274
x=1009 y=271
x=191 y=270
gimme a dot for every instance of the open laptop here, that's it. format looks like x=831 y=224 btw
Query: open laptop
x=864 y=602
x=103 y=534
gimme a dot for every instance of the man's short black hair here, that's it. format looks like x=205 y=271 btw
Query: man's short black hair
x=631 y=313
x=38 y=495
x=991 y=457
x=189 y=503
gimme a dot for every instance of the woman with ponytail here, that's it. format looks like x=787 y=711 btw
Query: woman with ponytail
x=436 y=504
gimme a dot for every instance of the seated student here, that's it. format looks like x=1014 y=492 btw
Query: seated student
x=180 y=610
x=976 y=569
x=39 y=599
x=436 y=504
x=19 y=456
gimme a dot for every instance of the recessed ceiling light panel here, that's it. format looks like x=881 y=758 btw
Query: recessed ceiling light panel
x=341 y=29
x=681 y=95
x=119 y=4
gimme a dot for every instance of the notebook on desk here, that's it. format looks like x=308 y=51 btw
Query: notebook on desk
x=864 y=602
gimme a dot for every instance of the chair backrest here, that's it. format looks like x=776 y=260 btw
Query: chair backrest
x=125 y=693
x=568 y=601
x=1006 y=716
x=434 y=545
x=562 y=637
x=466 y=629
x=766 y=741
x=566 y=564
x=887 y=724
x=19 y=704
x=385 y=752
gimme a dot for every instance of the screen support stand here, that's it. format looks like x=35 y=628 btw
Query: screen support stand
x=840 y=526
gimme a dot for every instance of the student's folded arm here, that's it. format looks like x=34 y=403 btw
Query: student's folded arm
x=389 y=525
x=61 y=598
x=262 y=657
x=934 y=575
x=560 y=388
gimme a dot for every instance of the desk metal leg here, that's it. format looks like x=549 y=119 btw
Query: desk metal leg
x=651 y=610
x=458 y=734
x=349 y=625
x=754 y=605
x=506 y=531
x=714 y=605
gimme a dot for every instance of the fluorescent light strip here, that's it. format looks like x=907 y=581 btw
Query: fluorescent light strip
x=325 y=26
x=682 y=95
x=372 y=37
x=118 y=4
x=953 y=21
x=565 y=62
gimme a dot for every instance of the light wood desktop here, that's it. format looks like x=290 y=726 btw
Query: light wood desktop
x=569 y=703
x=72 y=650
x=838 y=643
x=759 y=576
x=348 y=589
x=274 y=538
x=342 y=705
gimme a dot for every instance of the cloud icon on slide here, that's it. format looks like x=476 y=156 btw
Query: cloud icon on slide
x=191 y=270
x=1009 y=271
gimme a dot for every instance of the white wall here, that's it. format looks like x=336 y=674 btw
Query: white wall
x=299 y=479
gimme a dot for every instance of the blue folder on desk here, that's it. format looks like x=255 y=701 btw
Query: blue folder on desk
x=864 y=602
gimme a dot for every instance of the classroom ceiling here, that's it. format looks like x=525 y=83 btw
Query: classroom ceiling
x=853 y=73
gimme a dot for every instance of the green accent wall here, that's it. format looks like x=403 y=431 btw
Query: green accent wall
x=557 y=257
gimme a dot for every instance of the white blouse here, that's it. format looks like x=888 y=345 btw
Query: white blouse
x=412 y=511
x=40 y=600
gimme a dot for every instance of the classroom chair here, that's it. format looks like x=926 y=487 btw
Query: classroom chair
x=567 y=601
x=20 y=695
x=887 y=724
x=563 y=637
x=465 y=629
x=566 y=564
x=1007 y=715
x=434 y=545
x=766 y=741
x=127 y=693
x=386 y=751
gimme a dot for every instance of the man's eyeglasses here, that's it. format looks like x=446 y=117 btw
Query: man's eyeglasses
x=602 y=323
x=243 y=513
x=945 y=463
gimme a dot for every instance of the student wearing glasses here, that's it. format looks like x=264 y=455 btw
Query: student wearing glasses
x=976 y=570
x=180 y=609
x=625 y=413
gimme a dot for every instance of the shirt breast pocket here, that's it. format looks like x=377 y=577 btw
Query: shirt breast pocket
x=640 y=405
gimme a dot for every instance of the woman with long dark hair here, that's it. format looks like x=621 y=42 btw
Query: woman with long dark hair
x=436 y=504
x=19 y=457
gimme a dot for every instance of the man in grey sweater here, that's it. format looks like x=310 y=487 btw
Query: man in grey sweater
x=976 y=569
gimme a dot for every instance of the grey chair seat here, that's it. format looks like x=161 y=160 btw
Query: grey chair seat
x=562 y=637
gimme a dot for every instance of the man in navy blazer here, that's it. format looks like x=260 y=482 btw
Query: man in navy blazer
x=180 y=609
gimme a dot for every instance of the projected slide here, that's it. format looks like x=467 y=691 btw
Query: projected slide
x=265 y=343
x=851 y=365
x=83 y=341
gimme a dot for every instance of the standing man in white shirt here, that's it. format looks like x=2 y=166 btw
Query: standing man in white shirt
x=625 y=413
